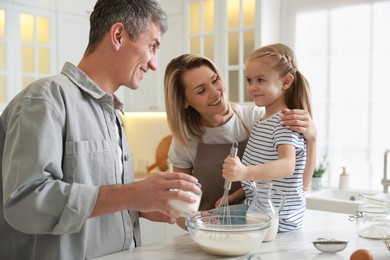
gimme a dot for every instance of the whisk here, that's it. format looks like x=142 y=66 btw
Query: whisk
x=221 y=214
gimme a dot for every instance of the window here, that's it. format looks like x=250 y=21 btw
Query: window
x=35 y=37
x=224 y=31
x=202 y=27
x=3 y=66
x=343 y=48
x=240 y=34
x=27 y=47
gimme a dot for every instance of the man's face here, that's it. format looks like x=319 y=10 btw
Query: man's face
x=139 y=56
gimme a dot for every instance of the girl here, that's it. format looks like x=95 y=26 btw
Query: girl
x=275 y=153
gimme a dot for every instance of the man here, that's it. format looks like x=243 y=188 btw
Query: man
x=68 y=189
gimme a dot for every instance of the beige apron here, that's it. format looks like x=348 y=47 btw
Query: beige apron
x=208 y=169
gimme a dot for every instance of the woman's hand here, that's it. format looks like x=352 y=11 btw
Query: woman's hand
x=234 y=198
x=299 y=120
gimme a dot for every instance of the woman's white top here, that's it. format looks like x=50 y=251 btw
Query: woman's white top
x=232 y=131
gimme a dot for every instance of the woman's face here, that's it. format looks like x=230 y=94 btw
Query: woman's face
x=204 y=91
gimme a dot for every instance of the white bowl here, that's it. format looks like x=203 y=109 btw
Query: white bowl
x=215 y=235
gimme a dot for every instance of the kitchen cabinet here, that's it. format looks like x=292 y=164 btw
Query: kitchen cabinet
x=71 y=29
x=152 y=232
x=172 y=7
x=148 y=97
x=83 y=8
x=47 y=4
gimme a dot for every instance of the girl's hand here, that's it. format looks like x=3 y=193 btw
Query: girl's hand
x=299 y=120
x=233 y=169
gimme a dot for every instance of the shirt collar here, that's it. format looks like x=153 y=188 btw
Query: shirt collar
x=79 y=78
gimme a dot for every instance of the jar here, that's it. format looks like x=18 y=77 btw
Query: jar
x=372 y=221
x=186 y=209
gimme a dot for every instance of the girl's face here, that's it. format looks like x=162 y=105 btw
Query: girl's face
x=265 y=85
x=204 y=91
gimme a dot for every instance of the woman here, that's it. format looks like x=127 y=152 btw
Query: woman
x=204 y=125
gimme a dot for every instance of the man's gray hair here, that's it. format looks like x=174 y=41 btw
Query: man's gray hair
x=135 y=15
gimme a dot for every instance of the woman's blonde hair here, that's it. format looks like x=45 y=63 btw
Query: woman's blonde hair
x=298 y=95
x=183 y=122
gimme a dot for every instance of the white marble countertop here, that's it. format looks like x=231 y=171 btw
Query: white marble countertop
x=290 y=245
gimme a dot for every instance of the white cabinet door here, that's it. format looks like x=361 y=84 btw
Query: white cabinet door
x=146 y=97
x=156 y=231
x=174 y=230
x=47 y=4
x=151 y=231
x=172 y=7
x=171 y=43
x=83 y=7
x=150 y=95
x=72 y=33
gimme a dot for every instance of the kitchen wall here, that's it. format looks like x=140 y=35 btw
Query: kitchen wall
x=144 y=131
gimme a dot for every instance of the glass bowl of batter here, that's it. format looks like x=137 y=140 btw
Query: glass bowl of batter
x=235 y=233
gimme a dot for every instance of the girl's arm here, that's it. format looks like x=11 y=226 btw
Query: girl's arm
x=234 y=170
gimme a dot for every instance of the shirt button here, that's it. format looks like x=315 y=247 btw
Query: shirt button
x=135 y=224
x=126 y=157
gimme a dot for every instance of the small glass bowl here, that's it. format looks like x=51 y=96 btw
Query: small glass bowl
x=330 y=246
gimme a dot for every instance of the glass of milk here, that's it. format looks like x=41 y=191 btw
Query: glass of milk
x=186 y=209
x=262 y=202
